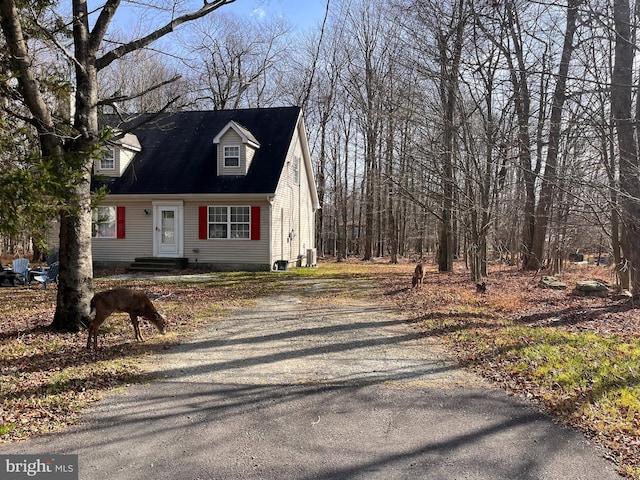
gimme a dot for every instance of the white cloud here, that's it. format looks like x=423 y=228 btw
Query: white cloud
x=259 y=13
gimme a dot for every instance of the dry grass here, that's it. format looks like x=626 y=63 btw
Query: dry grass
x=578 y=358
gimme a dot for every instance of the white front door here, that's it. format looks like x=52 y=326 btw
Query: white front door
x=167 y=241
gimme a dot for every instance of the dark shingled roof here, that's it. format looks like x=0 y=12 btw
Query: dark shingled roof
x=178 y=155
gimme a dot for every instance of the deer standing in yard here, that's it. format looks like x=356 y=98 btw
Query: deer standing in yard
x=418 y=275
x=125 y=300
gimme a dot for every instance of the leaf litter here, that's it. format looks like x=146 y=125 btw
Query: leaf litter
x=47 y=378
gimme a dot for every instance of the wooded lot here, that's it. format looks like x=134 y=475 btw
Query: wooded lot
x=494 y=130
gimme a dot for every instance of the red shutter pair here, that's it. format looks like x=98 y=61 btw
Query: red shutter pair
x=203 y=220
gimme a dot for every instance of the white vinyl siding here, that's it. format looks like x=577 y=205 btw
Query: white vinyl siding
x=232 y=251
x=139 y=237
x=293 y=221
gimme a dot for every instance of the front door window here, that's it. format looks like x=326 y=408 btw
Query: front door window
x=168 y=229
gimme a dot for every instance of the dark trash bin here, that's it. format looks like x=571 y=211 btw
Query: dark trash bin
x=576 y=257
x=281 y=265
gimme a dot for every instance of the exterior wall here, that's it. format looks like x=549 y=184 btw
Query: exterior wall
x=123 y=159
x=215 y=254
x=138 y=241
x=225 y=254
x=250 y=153
x=293 y=218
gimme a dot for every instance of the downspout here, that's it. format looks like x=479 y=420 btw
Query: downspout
x=282 y=233
x=271 y=259
x=299 y=208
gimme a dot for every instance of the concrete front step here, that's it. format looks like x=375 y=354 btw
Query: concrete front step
x=157 y=264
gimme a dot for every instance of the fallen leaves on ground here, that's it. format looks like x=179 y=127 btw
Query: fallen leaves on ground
x=47 y=377
x=577 y=357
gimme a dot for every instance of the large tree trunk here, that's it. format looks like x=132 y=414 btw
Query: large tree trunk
x=449 y=78
x=538 y=240
x=75 y=287
x=522 y=99
x=622 y=82
x=320 y=233
x=74 y=290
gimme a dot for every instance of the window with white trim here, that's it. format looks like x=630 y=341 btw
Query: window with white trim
x=296 y=170
x=108 y=159
x=231 y=156
x=103 y=222
x=229 y=222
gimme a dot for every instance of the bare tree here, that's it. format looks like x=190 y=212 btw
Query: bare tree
x=236 y=62
x=143 y=81
x=367 y=52
x=621 y=86
x=550 y=178
x=74 y=147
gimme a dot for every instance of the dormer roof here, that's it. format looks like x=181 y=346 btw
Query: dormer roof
x=127 y=140
x=244 y=133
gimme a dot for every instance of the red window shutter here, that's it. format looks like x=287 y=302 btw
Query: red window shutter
x=255 y=223
x=202 y=222
x=120 y=231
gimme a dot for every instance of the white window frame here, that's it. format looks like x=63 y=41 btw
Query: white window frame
x=108 y=155
x=104 y=222
x=225 y=220
x=231 y=155
x=296 y=170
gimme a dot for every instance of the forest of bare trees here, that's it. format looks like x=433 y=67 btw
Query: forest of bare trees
x=492 y=130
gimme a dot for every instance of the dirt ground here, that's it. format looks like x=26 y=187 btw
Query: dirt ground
x=293 y=387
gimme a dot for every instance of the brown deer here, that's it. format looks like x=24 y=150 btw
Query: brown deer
x=418 y=275
x=125 y=300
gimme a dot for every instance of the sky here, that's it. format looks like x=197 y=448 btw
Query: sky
x=303 y=14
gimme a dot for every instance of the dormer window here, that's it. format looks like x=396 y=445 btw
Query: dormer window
x=231 y=156
x=108 y=159
x=235 y=149
x=116 y=155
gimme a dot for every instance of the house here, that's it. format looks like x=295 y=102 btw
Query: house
x=224 y=190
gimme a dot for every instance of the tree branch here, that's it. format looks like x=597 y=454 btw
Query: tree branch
x=51 y=36
x=22 y=64
x=124 y=98
x=121 y=51
x=102 y=24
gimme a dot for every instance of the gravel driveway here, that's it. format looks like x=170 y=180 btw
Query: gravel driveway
x=293 y=389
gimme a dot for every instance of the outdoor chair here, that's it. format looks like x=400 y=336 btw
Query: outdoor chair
x=21 y=267
x=49 y=275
